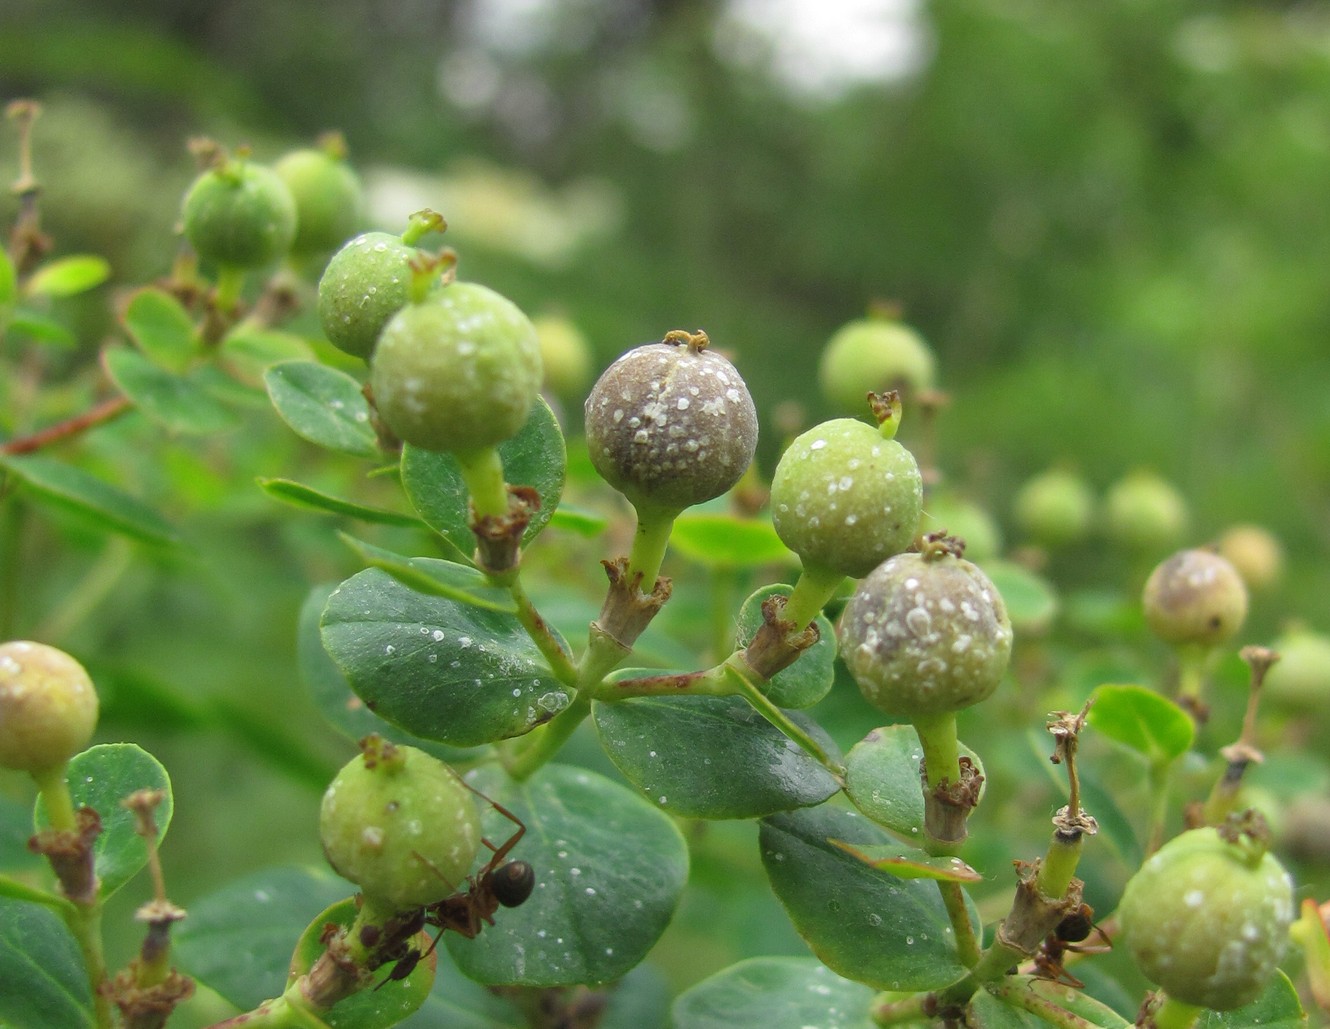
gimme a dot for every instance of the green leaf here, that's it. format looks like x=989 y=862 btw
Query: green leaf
x=775 y=993
x=162 y=328
x=535 y=457
x=892 y=934
x=238 y=940
x=307 y=497
x=41 y=328
x=809 y=679
x=1004 y=1010
x=75 y=490
x=1277 y=1008
x=905 y=862
x=8 y=290
x=1031 y=601
x=389 y=1001
x=717 y=540
x=435 y=577
x=43 y=980
x=100 y=778
x=882 y=778
x=182 y=403
x=609 y=871
x=322 y=405
x=440 y=669
x=712 y=757
x=579 y=521
x=248 y=352
x=332 y=693
x=69 y=276
x=1141 y=719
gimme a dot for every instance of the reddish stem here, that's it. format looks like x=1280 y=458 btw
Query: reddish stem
x=94 y=416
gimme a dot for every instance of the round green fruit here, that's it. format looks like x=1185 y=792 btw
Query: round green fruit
x=1195 y=596
x=1055 y=508
x=671 y=424
x=329 y=199
x=1301 y=676
x=400 y=825
x=1144 y=513
x=925 y=634
x=845 y=498
x=458 y=371
x=239 y=215
x=364 y=285
x=958 y=516
x=1207 y=918
x=1256 y=553
x=565 y=356
x=48 y=707
x=877 y=354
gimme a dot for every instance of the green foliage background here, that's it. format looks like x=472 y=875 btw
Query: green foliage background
x=1110 y=220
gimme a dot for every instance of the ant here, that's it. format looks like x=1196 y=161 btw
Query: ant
x=1068 y=935
x=498 y=883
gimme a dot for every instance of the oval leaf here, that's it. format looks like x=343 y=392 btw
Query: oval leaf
x=712 y=757
x=1141 y=719
x=905 y=862
x=890 y=933
x=1277 y=1008
x=389 y=1001
x=438 y=668
x=882 y=778
x=436 y=578
x=100 y=778
x=248 y=352
x=718 y=540
x=332 y=693
x=1006 y=1006
x=775 y=992
x=238 y=941
x=162 y=328
x=809 y=679
x=535 y=457
x=101 y=503
x=43 y=980
x=179 y=402
x=69 y=276
x=609 y=871
x=322 y=405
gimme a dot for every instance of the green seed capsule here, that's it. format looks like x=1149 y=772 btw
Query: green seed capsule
x=364 y=285
x=240 y=215
x=48 y=707
x=875 y=353
x=1195 y=596
x=329 y=199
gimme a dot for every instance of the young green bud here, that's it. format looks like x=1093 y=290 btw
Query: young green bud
x=1207 y=917
x=565 y=355
x=239 y=215
x=365 y=283
x=400 y=825
x=671 y=424
x=48 y=707
x=1256 y=553
x=926 y=634
x=1301 y=676
x=876 y=353
x=1195 y=596
x=329 y=198
x=1144 y=513
x=1055 y=508
x=846 y=498
x=458 y=371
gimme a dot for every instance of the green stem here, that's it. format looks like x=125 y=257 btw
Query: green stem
x=942 y=754
x=654 y=526
x=546 y=741
x=816 y=586
x=887 y=1010
x=993 y=964
x=1158 y=784
x=781 y=721
x=230 y=286
x=482 y=471
x=1020 y=992
x=1193 y=665
x=91 y=590
x=1174 y=1014
x=1058 y=868
x=713 y=682
x=539 y=630
x=967 y=939
x=54 y=788
x=85 y=922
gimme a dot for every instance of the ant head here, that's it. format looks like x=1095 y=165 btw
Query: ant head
x=512 y=883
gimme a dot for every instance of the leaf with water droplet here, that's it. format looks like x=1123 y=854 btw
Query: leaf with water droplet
x=775 y=991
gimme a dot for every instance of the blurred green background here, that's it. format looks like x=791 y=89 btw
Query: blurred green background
x=1110 y=220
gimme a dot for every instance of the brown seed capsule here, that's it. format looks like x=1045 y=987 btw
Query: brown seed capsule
x=1195 y=596
x=671 y=424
